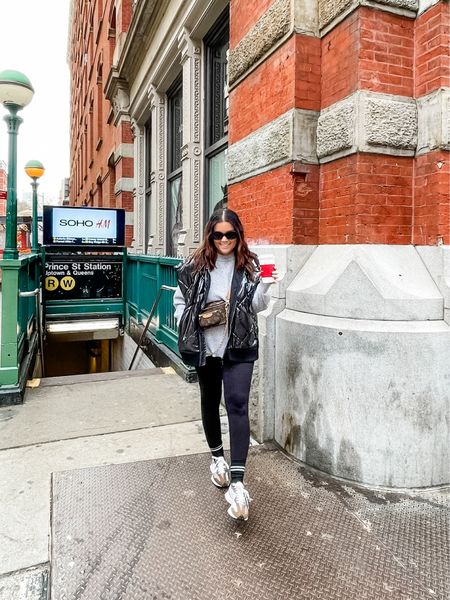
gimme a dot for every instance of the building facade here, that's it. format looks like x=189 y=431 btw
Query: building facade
x=177 y=95
x=339 y=161
x=326 y=126
x=101 y=145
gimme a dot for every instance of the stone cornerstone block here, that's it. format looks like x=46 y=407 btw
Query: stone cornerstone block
x=262 y=398
x=367 y=122
x=289 y=260
x=269 y=29
x=366 y=281
x=412 y=5
x=330 y=9
x=336 y=128
x=437 y=261
x=124 y=184
x=290 y=137
x=333 y=9
x=365 y=400
x=306 y=17
x=426 y=4
x=362 y=369
x=434 y=121
x=391 y=123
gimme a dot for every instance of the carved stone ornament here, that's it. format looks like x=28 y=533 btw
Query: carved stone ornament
x=121 y=102
x=140 y=196
x=196 y=201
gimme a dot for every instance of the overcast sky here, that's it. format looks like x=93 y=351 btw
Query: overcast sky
x=33 y=39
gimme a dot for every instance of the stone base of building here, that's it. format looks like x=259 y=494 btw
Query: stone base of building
x=354 y=371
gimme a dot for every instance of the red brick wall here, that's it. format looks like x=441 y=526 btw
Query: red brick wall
x=371 y=50
x=432 y=43
x=265 y=94
x=110 y=199
x=106 y=137
x=432 y=178
x=340 y=61
x=289 y=78
x=363 y=198
x=386 y=52
x=243 y=16
x=390 y=201
x=432 y=199
x=3 y=179
x=308 y=54
x=306 y=206
x=124 y=132
x=124 y=168
x=127 y=201
x=278 y=207
x=366 y=198
x=337 y=192
x=123 y=19
x=128 y=235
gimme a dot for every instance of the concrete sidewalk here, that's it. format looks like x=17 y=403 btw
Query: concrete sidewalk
x=159 y=530
x=320 y=538
x=72 y=423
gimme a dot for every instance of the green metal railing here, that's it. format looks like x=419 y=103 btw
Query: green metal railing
x=20 y=289
x=144 y=277
x=29 y=286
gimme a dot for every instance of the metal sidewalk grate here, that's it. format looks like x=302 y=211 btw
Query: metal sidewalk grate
x=158 y=530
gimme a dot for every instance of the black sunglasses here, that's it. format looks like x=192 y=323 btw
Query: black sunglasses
x=218 y=235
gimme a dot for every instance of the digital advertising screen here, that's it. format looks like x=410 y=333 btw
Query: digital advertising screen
x=80 y=226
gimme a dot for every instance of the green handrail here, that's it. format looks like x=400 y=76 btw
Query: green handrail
x=20 y=279
x=146 y=275
x=149 y=320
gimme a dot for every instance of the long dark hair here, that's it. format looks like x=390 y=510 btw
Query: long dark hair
x=205 y=256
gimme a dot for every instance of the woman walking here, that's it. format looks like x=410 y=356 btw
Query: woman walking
x=218 y=296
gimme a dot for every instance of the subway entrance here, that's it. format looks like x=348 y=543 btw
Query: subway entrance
x=83 y=304
x=78 y=357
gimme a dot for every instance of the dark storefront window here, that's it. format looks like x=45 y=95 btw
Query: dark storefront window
x=216 y=138
x=175 y=140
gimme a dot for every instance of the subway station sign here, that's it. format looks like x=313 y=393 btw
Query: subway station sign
x=78 y=278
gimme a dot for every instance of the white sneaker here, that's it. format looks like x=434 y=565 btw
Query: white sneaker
x=239 y=499
x=220 y=472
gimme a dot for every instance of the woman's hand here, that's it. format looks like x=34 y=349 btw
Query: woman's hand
x=277 y=276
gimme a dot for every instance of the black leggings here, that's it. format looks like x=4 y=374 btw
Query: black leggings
x=236 y=378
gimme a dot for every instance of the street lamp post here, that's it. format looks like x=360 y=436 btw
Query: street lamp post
x=35 y=170
x=16 y=92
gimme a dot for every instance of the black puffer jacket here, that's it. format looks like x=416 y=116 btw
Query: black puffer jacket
x=242 y=321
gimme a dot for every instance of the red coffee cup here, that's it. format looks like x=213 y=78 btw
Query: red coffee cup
x=267 y=263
